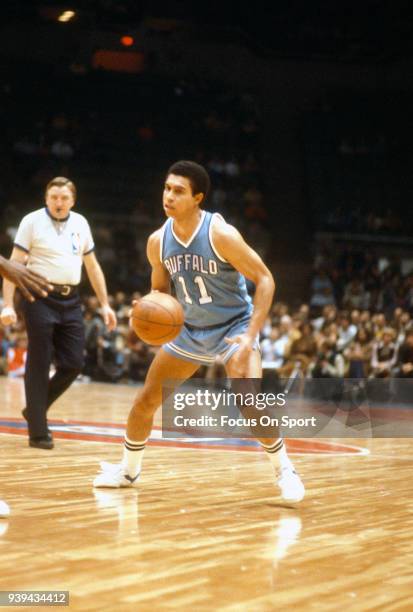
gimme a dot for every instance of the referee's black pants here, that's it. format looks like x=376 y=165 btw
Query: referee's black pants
x=55 y=333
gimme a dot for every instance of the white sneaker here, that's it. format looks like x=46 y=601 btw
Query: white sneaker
x=114 y=476
x=289 y=482
x=4 y=509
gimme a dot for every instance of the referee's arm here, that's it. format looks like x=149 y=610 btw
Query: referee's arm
x=97 y=280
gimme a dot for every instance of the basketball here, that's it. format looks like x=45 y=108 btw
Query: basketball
x=157 y=318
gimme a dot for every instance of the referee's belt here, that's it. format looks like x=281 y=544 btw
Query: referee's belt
x=63 y=290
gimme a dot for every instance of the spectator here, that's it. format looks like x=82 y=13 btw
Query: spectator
x=302 y=351
x=330 y=362
x=358 y=355
x=4 y=345
x=111 y=356
x=355 y=295
x=253 y=198
x=405 y=357
x=279 y=310
x=379 y=324
x=404 y=369
x=232 y=169
x=355 y=317
x=120 y=306
x=329 y=314
x=322 y=290
x=62 y=150
x=273 y=350
x=402 y=324
x=16 y=357
x=384 y=355
x=94 y=329
x=304 y=312
x=346 y=331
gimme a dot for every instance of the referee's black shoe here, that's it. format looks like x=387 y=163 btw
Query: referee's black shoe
x=45 y=442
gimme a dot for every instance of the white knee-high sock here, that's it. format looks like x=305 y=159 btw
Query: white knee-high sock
x=132 y=456
x=277 y=454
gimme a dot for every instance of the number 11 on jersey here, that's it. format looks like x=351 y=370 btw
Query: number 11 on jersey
x=204 y=297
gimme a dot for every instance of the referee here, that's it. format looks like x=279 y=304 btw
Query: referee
x=53 y=242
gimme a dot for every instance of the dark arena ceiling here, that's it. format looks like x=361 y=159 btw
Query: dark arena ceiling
x=325 y=30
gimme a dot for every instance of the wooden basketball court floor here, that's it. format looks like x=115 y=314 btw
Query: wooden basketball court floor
x=205 y=530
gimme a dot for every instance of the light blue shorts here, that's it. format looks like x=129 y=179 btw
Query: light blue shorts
x=202 y=345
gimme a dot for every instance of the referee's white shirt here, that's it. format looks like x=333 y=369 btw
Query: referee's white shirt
x=55 y=248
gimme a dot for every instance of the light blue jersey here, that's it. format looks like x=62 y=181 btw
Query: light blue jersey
x=212 y=292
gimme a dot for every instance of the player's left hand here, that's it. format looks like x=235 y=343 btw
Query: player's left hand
x=240 y=359
x=109 y=317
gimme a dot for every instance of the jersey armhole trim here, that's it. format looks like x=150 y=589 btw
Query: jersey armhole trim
x=211 y=242
x=163 y=228
x=89 y=251
x=21 y=248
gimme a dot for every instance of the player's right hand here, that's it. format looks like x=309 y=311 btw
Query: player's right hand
x=240 y=359
x=28 y=282
x=8 y=316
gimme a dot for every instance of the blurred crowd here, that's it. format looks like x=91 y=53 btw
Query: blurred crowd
x=357 y=323
x=357 y=344
x=357 y=277
x=371 y=222
x=303 y=342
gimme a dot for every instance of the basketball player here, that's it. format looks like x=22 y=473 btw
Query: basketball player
x=27 y=282
x=55 y=242
x=207 y=260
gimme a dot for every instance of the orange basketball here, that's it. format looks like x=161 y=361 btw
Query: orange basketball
x=157 y=318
